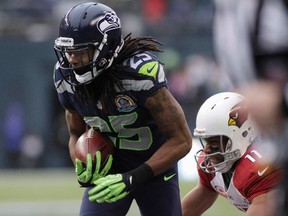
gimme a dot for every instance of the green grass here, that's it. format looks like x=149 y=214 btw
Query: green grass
x=221 y=207
x=48 y=187
x=17 y=185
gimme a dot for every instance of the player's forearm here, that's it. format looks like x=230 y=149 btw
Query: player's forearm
x=170 y=119
x=76 y=127
x=71 y=144
x=197 y=201
x=169 y=154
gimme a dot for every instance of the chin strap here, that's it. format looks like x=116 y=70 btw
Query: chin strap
x=115 y=54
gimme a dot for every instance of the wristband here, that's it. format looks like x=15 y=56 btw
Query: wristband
x=140 y=175
x=84 y=185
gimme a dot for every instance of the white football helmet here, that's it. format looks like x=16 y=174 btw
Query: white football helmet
x=224 y=115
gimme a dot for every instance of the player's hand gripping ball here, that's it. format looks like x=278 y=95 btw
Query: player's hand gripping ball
x=92 y=141
x=94 y=155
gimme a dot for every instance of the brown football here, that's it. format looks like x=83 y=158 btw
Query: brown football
x=92 y=141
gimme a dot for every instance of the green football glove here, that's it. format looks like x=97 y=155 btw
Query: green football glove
x=87 y=174
x=111 y=188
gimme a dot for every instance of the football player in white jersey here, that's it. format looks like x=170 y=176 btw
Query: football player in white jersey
x=231 y=162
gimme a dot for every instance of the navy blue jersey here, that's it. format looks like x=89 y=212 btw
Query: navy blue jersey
x=130 y=126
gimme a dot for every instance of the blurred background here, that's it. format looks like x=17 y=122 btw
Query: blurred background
x=33 y=131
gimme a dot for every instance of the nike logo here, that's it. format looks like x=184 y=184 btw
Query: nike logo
x=260 y=173
x=167 y=178
x=149 y=70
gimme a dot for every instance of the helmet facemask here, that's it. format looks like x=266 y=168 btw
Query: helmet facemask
x=217 y=156
x=224 y=116
x=85 y=71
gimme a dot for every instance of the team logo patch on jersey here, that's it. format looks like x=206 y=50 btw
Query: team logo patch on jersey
x=124 y=103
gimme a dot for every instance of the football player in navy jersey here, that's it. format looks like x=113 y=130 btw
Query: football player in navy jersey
x=117 y=86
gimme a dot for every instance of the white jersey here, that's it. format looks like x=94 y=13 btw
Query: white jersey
x=232 y=193
x=250 y=178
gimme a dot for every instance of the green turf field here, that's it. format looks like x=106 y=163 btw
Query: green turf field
x=56 y=192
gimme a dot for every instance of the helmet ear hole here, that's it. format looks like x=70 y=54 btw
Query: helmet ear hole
x=228 y=145
x=102 y=62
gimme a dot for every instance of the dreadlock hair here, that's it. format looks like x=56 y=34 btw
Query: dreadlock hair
x=103 y=88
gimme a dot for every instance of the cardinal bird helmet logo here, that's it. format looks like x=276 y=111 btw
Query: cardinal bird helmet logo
x=238 y=115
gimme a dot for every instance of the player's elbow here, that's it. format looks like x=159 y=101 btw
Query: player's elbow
x=186 y=146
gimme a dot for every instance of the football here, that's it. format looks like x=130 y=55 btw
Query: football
x=92 y=141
